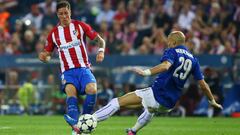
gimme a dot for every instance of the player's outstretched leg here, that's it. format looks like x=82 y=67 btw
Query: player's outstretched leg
x=142 y=121
x=108 y=110
x=128 y=100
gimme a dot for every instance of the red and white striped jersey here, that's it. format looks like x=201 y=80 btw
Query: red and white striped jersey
x=70 y=42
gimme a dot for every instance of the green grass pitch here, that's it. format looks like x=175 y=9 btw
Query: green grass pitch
x=55 y=125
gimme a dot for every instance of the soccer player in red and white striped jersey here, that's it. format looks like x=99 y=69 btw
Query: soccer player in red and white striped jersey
x=69 y=37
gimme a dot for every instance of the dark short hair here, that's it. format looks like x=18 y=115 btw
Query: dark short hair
x=63 y=3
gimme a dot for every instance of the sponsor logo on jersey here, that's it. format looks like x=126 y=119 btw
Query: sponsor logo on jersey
x=69 y=45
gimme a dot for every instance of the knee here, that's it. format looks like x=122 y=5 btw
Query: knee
x=121 y=103
x=91 y=88
x=115 y=103
x=70 y=90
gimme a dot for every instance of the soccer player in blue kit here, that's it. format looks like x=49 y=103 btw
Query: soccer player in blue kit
x=177 y=63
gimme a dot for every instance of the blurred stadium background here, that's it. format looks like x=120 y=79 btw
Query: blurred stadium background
x=135 y=33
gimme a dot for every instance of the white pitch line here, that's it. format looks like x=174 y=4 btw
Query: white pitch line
x=2 y=128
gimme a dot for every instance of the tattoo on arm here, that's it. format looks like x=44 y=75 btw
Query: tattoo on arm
x=100 y=41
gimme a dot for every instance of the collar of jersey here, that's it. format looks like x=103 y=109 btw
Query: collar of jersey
x=182 y=47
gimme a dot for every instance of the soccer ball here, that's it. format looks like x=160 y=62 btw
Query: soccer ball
x=87 y=123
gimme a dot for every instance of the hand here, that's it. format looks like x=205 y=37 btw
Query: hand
x=44 y=57
x=138 y=71
x=100 y=57
x=215 y=104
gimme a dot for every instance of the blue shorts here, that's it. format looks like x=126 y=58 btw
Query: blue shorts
x=79 y=77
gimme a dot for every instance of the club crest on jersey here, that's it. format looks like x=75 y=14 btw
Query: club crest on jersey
x=75 y=32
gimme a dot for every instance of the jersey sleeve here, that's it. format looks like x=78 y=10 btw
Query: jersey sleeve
x=168 y=55
x=197 y=73
x=49 y=45
x=91 y=33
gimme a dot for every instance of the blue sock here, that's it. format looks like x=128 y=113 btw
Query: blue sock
x=89 y=103
x=72 y=107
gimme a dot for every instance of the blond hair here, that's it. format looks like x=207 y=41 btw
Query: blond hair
x=178 y=37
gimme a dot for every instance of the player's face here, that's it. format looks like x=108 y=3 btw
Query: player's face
x=64 y=16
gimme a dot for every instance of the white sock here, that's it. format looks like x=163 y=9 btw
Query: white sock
x=143 y=120
x=108 y=110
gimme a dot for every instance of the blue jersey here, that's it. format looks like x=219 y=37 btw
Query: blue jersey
x=167 y=87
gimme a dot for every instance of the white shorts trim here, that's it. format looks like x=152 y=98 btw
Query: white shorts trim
x=148 y=100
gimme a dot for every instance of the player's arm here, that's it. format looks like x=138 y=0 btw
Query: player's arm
x=205 y=88
x=44 y=56
x=93 y=35
x=101 y=44
x=164 y=66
